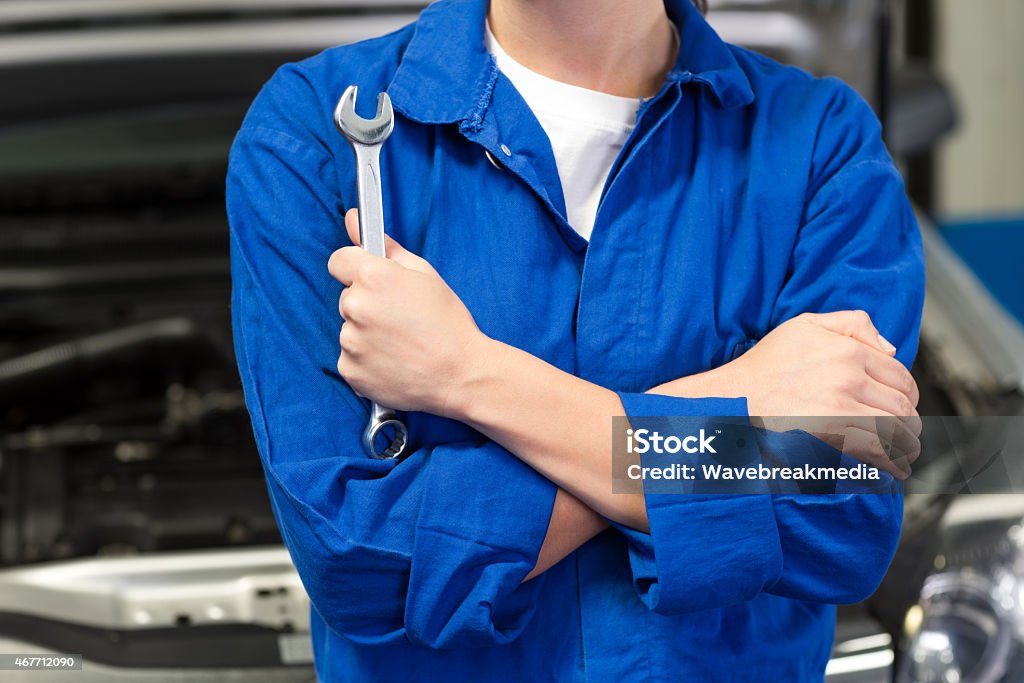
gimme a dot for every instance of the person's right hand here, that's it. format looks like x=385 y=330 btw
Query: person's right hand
x=837 y=370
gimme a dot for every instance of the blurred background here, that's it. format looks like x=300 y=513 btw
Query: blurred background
x=134 y=524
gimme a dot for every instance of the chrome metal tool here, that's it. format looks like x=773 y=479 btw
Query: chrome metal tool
x=385 y=436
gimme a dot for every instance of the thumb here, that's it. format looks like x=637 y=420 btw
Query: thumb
x=855 y=324
x=395 y=251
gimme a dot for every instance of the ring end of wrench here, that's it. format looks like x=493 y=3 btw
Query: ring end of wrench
x=394 y=446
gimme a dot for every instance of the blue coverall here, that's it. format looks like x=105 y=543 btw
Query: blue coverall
x=749 y=192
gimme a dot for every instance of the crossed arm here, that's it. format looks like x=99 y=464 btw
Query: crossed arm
x=407 y=341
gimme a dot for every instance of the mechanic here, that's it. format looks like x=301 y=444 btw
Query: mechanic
x=598 y=208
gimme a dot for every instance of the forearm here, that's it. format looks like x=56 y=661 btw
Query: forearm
x=557 y=423
x=572 y=524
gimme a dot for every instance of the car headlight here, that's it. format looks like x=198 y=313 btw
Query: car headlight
x=968 y=625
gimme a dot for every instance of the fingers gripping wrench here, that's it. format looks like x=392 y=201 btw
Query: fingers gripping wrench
x=385 y=436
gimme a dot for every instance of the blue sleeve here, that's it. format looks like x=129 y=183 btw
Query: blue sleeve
x=429 y=549
x=859 y=248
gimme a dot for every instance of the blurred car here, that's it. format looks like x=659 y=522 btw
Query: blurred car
x=135 y=527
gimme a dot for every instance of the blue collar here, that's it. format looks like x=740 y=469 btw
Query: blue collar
x=446 y=74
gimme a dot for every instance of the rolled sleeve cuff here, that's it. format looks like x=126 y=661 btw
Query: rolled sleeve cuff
x=484 y=518
x=703 y=551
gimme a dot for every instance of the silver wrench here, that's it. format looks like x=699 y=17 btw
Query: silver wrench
x=367 y=136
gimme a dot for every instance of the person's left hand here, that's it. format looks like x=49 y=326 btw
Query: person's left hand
x=407 y=340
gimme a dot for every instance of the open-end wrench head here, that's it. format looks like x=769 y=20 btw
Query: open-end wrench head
x=359 y=130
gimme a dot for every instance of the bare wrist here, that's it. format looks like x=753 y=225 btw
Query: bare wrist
x=475 y=371
x=718 y=383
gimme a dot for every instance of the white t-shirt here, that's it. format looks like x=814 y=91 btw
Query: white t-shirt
x=587 y=130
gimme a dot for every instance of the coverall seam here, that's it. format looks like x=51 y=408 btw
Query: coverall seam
x=474 y=541
x=255 y=132
x=474 y=121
